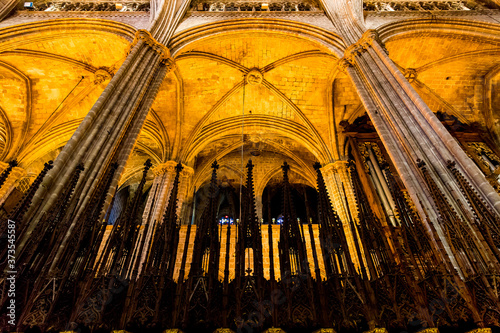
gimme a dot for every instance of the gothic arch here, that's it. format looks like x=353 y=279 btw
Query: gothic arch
x=443 y=27
x=325 y=38
x=487 y=38
x=259 y=188
x=284 y=127
x=313 y=35
x=14 y=140
x=204 y=171
x=15 y=36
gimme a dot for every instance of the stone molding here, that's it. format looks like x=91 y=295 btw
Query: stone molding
x=331 y=167
x=33 y=32
x=485 y=12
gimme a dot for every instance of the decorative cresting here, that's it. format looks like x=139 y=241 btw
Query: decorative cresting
x=389 y=6
x=254 y=5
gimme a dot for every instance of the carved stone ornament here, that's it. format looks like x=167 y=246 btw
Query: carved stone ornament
x=101 y=75
x=410 y=74
x=254 y=77
x=146 y=37
x=361 y=46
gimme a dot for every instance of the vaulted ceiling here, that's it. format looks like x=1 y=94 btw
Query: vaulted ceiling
x=264 y=95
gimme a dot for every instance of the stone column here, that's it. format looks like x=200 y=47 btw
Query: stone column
x=108 y=132
x=160 y=190
x=411 y=132
x=259 y=207
x=160 y=194
x=341 y=195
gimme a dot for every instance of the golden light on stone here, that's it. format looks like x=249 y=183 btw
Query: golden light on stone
x=406 y=142
x=254 y=77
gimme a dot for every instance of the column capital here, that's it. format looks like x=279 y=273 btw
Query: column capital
x=364 y=43
x=163 y=168
x=146 y=37
x=370 y=36
x=169 y=167
x=187 y=171
x=329 y=168
x=335 y=166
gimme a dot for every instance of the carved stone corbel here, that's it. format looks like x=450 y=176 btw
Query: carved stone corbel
x=101 y=75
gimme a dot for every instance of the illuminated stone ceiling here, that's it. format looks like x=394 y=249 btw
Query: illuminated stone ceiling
x=279 y=96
